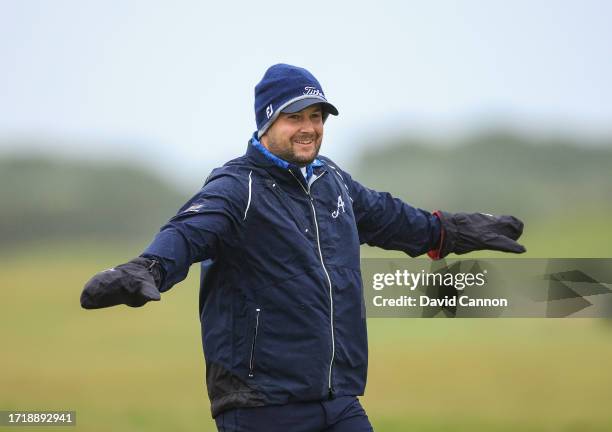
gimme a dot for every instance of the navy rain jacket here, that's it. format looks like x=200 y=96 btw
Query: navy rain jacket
x=281 y=298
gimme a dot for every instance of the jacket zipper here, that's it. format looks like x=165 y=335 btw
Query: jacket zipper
x=331 y=298
x=252 y=357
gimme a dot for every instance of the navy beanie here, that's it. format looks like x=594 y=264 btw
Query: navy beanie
x=286 y=88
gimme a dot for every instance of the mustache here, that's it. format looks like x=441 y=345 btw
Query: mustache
x=305 y=137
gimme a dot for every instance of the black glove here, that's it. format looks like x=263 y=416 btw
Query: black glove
x=133 y=283
x=468 y=232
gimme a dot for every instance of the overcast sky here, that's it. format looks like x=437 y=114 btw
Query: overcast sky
x=171 y=83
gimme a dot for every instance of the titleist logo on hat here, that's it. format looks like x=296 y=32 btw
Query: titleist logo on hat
x=313 y=91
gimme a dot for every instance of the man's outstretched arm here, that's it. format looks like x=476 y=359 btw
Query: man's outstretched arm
x=193 y=235
x=389 y=223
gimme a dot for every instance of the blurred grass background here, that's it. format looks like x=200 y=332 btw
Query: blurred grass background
x=142 y=369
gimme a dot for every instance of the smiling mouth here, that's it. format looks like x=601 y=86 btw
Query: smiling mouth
x=304 y=142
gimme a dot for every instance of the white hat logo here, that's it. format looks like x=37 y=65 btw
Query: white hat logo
x=313 y=91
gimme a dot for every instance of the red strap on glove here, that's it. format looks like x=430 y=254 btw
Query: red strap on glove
x=435 y=254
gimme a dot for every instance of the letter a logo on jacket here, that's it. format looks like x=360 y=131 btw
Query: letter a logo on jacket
x=336 y=212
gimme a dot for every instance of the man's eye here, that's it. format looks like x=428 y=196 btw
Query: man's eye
x=294 y=117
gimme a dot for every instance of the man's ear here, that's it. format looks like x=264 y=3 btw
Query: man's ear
x=264 y=140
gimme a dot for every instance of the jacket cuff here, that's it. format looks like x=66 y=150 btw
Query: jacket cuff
x=155 y=266
x=436 y=254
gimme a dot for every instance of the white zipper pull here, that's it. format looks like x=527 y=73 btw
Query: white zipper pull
x=252 y=357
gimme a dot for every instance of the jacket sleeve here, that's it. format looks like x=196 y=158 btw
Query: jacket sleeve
x=211 y=217
x=389 y=223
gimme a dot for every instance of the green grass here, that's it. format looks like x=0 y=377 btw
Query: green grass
x=127 y=369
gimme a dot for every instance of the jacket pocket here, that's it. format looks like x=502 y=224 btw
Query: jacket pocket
x=253 y=344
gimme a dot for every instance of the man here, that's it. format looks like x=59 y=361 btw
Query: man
x=278 y=232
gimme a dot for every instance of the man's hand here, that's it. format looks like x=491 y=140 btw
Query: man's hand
x=133 y=283
x=468 y=232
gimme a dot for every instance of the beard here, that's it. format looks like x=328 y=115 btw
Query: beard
x=293 y=154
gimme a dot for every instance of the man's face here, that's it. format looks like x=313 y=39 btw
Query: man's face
x=296 y=137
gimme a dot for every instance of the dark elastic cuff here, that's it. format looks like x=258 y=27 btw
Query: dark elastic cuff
x=154 y=266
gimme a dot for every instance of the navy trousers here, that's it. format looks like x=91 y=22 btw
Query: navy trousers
x=342 y=414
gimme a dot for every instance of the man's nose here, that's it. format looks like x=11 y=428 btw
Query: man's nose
x=307 y=126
